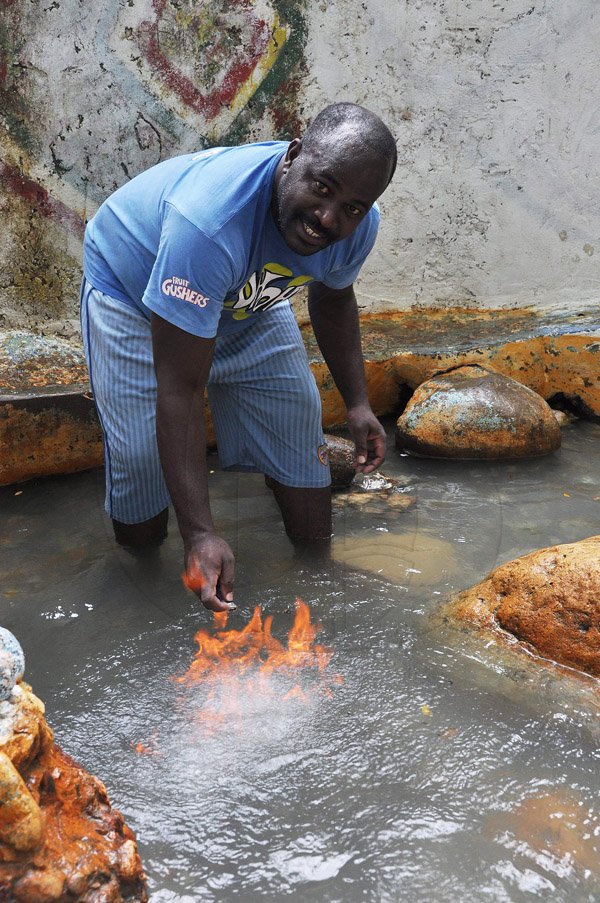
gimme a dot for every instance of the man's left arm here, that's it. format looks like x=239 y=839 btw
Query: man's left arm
x=334 y=316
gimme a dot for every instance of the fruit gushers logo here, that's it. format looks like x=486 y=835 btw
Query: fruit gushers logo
x=262 y=290
x=180 y=288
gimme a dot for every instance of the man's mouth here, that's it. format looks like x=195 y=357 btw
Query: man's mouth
x=315 y=235
x=312 y=232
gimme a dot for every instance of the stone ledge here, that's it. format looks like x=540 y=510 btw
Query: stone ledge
x=555 y=353
x=48 y=423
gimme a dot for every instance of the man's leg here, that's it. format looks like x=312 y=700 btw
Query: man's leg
x=267 y=414
x=118 y=350
x=306 y=513
x=149 y=534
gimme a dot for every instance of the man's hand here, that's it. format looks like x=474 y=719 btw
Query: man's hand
x=334 y=316
x=369 y=438
x=209 y=569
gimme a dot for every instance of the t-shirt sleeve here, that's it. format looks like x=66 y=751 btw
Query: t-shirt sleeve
x=190 y=278
x=344 y=272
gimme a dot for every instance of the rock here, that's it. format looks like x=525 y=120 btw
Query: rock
x=12 y=662
x=40 y=886
x=404 y=559
x=553 y=822
x=374 y=502
x=562 y=418
x=60 y=838
x=24 y=731
x=373 y=493
x=472 y=412
x=21 y=820
x=341 y=454
x=378 y=482
x=548 y=600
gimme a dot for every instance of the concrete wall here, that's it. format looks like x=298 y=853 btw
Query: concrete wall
x=496 y=106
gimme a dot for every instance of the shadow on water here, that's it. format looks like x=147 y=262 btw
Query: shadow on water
x=430 y=770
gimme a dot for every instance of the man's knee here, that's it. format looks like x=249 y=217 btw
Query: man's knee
x=145 y=535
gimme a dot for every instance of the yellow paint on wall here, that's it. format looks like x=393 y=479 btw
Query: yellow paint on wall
x=279 y=36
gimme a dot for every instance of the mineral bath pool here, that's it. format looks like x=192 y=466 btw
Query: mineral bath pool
x=394 y=759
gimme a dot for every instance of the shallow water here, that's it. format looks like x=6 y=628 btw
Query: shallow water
x=418 y=765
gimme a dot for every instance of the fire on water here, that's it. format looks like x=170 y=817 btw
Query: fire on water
x=254 y=646
x=237 y=668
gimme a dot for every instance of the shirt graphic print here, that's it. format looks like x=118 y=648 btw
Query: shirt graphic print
x=264 y=289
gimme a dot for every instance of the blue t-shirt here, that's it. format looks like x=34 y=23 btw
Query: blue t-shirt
x=193 y=239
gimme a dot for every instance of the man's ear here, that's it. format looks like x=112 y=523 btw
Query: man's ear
x=292 y=152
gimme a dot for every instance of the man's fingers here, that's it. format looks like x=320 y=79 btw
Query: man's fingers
x=216 y=604
x=370 y=458
x=215 y=594
x=226 y=581
x=371 y=466
x=216 y=597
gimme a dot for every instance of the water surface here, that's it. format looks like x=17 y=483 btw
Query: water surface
x=418 y=766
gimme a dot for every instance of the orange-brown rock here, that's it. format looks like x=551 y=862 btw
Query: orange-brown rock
x=374 y=493
x=341 y=453
x=549 y=600
x=60 y=839
x=24 y=731
x=472 y=412
x=21 y=822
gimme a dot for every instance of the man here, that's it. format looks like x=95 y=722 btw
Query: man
x=188 y=271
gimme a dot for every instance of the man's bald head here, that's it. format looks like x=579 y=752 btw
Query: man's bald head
x=328 y=181
x=354 y=132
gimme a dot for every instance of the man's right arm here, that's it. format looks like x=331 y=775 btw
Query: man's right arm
x=182 y=362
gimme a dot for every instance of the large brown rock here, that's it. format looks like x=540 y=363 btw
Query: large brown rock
x=549 y=600
x=60 y=838
x=472 y=412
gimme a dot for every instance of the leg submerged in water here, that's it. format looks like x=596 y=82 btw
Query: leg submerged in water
x=306 y=514
x=146 y=535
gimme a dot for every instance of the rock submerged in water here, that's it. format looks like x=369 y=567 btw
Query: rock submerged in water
x=60 y=839
x=375 y=493
x=372 y=492
x=549 y=600
x=473 y=412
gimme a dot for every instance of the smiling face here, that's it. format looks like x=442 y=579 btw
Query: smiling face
x=322 y=194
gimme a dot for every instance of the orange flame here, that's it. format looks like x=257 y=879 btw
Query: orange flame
x=193 y=578
x=255 y=646
x=237 y=666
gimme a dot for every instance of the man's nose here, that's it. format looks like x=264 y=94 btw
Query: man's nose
x=327 y=216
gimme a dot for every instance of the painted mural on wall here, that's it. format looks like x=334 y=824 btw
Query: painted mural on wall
x=91 y=96
x=495 y=107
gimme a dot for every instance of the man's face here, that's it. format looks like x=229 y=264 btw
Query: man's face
x=324 y=193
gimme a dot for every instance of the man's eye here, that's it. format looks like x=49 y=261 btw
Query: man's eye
x=321 y=187
x=353 y=211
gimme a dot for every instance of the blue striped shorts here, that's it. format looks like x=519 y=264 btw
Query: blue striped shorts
x=264 y=402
